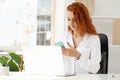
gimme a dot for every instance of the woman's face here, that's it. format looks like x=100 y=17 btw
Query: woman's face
x=71 y=20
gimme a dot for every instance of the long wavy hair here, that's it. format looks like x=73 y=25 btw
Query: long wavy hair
x=82 y=19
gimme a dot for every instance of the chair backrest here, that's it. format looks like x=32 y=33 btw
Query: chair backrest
x=104 y=54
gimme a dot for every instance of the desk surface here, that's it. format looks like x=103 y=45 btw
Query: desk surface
x=25 y=76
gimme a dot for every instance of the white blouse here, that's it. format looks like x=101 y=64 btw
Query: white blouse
x=89 y=48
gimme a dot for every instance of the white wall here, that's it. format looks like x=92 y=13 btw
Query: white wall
x=114 y=58
x=103 y=25
x=107 y=8
x=105 y=11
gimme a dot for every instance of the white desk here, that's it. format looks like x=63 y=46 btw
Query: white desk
x=25 y=76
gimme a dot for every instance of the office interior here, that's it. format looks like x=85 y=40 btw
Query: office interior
x=21 y=21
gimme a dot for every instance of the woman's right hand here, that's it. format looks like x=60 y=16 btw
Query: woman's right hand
x=71 y=51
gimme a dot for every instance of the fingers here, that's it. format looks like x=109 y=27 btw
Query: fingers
x=64 y=51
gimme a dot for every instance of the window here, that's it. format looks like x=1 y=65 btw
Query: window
x=50 y=21
x=37 y=22
x=44 y=22
x=11 y=12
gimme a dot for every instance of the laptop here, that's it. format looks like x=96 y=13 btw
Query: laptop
x=45 y=60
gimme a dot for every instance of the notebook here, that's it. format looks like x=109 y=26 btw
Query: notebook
x=45 y=60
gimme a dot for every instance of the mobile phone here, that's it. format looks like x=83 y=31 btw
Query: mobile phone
x=60 y=44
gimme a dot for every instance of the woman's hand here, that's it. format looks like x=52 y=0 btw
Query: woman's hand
x=71 y=51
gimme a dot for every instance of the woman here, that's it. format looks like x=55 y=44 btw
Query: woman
x=81 y=41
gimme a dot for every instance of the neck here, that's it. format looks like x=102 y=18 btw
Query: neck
x=75 y=34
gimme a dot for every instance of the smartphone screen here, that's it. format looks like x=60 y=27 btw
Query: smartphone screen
x=60 y=44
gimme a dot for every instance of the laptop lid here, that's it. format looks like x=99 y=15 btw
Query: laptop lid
x=45 y=60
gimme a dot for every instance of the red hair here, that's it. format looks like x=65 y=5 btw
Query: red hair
x=82 y=19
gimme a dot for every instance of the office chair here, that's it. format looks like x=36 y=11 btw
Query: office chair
x=104 y=54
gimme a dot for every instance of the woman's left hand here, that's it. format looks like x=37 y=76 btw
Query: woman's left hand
x=71 y=51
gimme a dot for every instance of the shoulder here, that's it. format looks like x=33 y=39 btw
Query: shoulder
x=95 y=39
x=92 y=38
